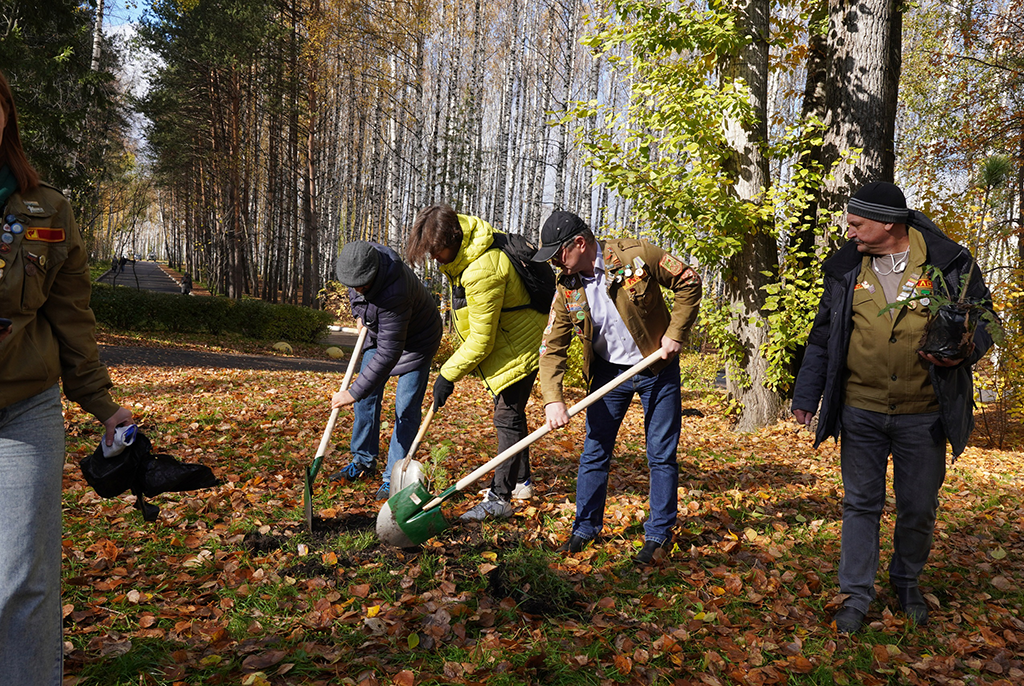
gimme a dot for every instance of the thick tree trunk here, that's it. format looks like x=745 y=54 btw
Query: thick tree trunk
x=864 y=49
x=743 y=286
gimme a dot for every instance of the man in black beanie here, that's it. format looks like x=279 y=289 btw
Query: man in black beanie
x=884 y=396
x=404 y=333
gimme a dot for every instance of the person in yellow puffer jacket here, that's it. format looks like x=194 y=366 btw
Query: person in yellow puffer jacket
x=500 y=337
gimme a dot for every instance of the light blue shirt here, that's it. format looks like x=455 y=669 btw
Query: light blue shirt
x=612 y=340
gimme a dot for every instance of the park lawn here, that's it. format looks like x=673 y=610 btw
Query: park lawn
x=228 y=588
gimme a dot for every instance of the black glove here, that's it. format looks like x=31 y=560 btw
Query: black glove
x=442 y=389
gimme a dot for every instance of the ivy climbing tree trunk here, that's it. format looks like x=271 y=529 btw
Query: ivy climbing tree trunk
x=745 y=277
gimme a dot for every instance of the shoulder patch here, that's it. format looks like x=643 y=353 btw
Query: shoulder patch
x=671 y=264
x=44 y=234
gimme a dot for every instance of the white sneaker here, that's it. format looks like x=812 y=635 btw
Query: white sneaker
x=491 y=507
x=523 y=491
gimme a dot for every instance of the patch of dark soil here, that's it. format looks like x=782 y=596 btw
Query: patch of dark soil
x=258 y=544
x=524 y=575
x=541 y=592
x=355 y=521
x=310 y=569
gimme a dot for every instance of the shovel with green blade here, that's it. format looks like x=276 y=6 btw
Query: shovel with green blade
x=314 y=469
x=412 y=516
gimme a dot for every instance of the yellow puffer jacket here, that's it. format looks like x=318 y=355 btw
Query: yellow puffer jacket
x=501 y=347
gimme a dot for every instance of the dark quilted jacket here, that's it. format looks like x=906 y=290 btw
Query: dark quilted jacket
x=403 y=321
x=821 y=374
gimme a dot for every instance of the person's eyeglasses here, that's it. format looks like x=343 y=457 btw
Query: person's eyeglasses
x=556 y=259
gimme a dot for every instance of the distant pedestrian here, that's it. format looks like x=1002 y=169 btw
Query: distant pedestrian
x=120 y=265
x=186 y=284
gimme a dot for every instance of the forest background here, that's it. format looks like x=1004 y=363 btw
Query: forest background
x=270 y=132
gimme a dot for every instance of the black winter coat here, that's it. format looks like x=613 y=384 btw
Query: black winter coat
x=403 y=321
x=821 y=374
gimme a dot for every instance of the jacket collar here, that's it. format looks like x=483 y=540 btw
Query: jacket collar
x=941 y=249
x=477 y=237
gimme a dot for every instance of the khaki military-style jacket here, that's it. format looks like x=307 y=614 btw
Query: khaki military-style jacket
x=44 y=290
x=634 y=272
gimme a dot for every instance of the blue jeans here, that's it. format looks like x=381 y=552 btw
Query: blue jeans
x=31 y=468
x=662 y=403
x=365 y=445
x=917 y=444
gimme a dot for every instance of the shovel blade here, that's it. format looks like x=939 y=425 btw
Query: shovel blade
x=307 y=500
x=403 y=523
x=403 y=478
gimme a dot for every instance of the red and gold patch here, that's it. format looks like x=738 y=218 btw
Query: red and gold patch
x=44 y=234
x=671 y=264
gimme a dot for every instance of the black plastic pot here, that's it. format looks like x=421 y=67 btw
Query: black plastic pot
x=949 y=332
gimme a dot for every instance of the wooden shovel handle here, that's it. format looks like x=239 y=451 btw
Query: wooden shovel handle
x=344 y=385
x=544 y=429
x=401 y=466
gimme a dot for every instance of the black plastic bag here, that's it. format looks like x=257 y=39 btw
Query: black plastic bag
x=137 y=469
x=164 y=474
x=949 y=332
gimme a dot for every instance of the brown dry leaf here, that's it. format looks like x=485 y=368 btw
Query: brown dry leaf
x=404 y=678
x=801 y=664
x=360 y=590
x=261 y=661
x=1003 y=584
x=623 y=664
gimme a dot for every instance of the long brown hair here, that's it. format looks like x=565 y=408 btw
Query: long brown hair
x=11 y=152
x=434 y=228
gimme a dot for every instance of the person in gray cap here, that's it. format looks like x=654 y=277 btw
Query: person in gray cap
x=404 y=334
x=609 y=296
x=881 y=394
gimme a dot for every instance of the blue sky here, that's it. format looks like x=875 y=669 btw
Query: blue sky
x=117 y=12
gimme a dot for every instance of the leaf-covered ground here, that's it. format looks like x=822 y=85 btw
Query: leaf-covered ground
x=228 y=588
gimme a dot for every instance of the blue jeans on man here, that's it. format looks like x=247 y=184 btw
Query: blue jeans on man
x=917 y=444
x=365 y=444
x=662 y=404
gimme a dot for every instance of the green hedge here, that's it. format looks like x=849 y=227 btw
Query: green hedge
x=133 y=310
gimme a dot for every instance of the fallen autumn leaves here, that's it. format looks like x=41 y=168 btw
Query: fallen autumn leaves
x=227 y=588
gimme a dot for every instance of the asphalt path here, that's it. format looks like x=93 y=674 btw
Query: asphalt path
x=146 y=276
x=119 y=355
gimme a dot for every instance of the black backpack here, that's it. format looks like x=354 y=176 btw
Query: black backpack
x=538 y=277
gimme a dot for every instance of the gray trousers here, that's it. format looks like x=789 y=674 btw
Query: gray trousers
x=31 y=467
x=917 y=444
x=510 y=424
